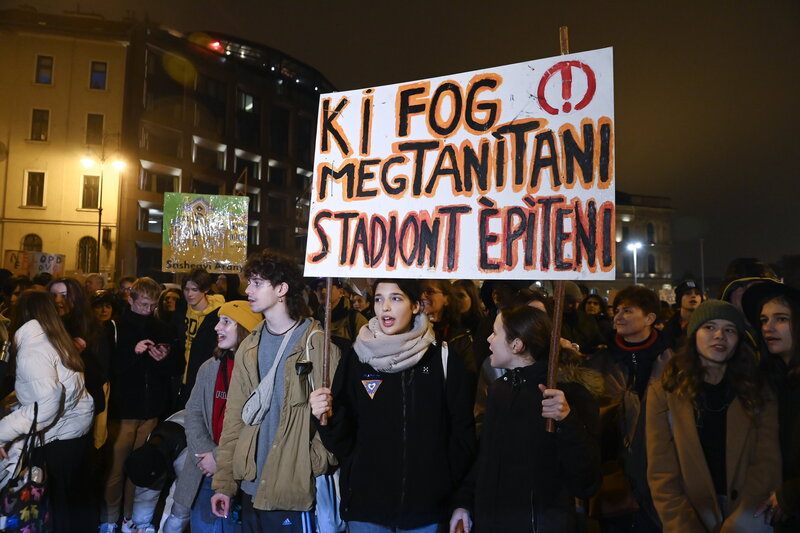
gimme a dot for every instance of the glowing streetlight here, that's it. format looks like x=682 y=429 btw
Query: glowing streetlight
x=634 y=248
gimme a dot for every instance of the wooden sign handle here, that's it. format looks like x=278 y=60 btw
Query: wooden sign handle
x=326 y=347
x=555 y=344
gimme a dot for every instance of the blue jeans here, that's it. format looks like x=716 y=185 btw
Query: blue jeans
x=203 y=520
x=367 y=527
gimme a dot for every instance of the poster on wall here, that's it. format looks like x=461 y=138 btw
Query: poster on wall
x=204 y=231
x=506 y=172
x=32 y=263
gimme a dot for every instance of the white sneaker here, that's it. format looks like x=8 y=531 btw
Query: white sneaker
x=127 y=526
x=108 y=527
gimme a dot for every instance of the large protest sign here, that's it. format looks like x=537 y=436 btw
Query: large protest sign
x=204 y=231
x=502 y=173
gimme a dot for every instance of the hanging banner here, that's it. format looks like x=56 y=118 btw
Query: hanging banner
x=204 y=231
x=500 y=173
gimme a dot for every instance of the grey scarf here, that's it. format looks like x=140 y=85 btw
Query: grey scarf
x=394 y=353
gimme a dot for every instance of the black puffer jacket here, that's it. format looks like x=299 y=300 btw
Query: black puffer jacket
x=405 y=449
x=526 y=479
x=140 y=385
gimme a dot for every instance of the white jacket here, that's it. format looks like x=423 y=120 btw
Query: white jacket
x=65 y=408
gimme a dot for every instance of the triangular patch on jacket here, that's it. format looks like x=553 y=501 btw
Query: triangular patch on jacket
x=371 y=386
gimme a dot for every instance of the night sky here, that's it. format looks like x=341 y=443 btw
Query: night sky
x=705 y=92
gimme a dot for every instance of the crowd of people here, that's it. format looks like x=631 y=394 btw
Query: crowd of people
x=204 y=407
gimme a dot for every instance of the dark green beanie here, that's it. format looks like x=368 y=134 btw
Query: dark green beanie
x=713 y=310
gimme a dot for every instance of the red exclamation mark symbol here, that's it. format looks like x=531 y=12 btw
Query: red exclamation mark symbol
x=566 y=87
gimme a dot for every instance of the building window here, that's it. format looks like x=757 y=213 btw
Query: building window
x=90 y=196
x=626 y=233
x=156 y=182
x=626 y=264
x=252 y=235
x=40 y=124
x=210 y=103
x=279 y=130
x=150 y=219
x=651 y=233
x=209 y=157
x=248 y=118
x=275 y=206
x=248 y=103
x=44 y=70
x=203 y=187
x=97 y=78
x=651 y=264
x=277 y=176
x=305 y=140
x=275 y=237
x=34 y=189
x=32 y=243
x=87 y=254
x=94 y=128
x=253 y=168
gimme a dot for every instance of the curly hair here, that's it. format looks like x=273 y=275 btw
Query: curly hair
x=277 y=269
x=684 y=374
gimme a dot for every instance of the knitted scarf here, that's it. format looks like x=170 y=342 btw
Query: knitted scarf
x=394 y=353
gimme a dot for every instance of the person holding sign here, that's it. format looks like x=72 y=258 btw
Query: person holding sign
x=526 y=478
x=401 y=421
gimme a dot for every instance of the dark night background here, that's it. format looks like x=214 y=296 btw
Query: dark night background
x=705 y=92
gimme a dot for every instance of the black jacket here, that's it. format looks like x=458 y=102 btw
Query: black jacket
x=788 y=392
x=526 y=479
x=140 y=386
x=405 y=450
x=203 y=344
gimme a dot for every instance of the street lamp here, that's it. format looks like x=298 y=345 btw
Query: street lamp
x=634 y=247
x=89 y=162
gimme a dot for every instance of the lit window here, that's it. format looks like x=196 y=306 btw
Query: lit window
x=90 y=196
x=94 y=128
x=34 y=189
x=97 y=78
x=40 y=124
x=44 y=70
x=247 y=102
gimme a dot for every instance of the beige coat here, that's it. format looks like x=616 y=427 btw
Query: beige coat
x=680 y=482
x=297 y=456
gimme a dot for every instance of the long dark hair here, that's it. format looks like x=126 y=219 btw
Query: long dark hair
x=684 y=374
x=476 y=312
x=38 y=305
x=794 y=359
x=532 y=326
x=80 y=321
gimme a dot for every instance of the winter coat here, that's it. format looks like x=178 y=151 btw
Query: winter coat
x=526 y=479
x=622 y=412
x=140 y=386
x=788 y=394
x=64 y=406
x=406 y=448
x=198 y=414
x=682 y=488
x=297 y=456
